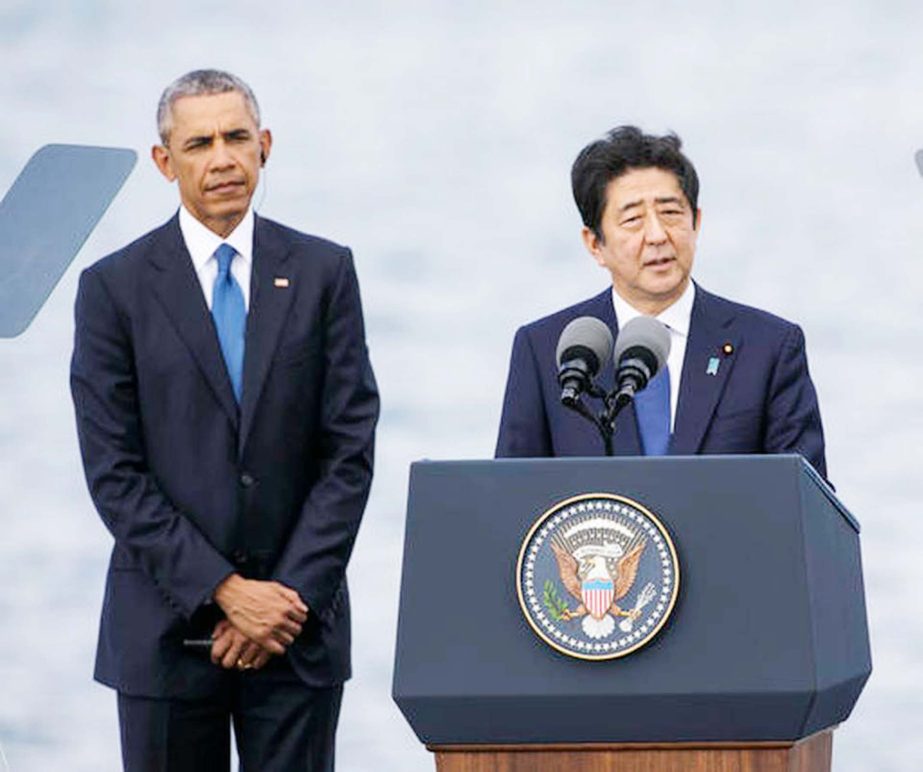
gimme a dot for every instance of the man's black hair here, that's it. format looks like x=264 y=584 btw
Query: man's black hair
x=625 y=148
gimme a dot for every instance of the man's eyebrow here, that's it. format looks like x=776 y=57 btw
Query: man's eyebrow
x=660 y=200
x=630 y=205
x=199 y=140
x=207 y=139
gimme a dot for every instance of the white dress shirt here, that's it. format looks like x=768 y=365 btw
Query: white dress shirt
x=202 y=243
x=677 y=319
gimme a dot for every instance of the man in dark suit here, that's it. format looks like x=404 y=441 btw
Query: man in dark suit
x=737 y=378
x=226 y=411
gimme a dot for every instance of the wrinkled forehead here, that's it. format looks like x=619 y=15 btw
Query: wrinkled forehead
x=208 y=114
x=649 y=184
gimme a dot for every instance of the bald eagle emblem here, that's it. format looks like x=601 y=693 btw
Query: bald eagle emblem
x=598 y=576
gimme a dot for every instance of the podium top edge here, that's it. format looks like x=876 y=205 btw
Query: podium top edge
x=773 y=459
x=750 y=458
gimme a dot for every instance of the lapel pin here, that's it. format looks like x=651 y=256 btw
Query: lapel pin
x=280 y=281
x=728 y=349
x=712 y=368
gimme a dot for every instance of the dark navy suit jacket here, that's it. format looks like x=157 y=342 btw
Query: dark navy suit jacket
x=194 y=487
x=760 y=400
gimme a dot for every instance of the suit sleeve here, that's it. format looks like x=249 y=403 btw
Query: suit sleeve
x=793 y=422
x=524 y=429
x=171 y=550
x=318 y=549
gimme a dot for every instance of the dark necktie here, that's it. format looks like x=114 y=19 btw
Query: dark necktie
x=652 y=407
x=230 y=317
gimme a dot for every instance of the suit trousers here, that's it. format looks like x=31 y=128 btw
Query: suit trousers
x=280 y=725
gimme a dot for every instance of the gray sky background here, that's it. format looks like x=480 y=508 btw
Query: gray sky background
x=437 y=141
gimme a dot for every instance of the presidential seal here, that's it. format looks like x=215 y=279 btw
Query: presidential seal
x=597 y=576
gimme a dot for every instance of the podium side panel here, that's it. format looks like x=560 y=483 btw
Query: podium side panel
x=840 y=627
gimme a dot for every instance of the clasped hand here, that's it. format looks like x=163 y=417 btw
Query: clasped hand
x=263 y=619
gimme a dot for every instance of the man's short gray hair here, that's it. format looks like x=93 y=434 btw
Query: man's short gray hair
x=201 y=83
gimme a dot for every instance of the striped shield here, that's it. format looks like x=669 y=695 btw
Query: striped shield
x=597 y=596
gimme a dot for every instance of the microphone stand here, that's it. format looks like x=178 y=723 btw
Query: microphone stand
x=633 y=374
x=614 y=402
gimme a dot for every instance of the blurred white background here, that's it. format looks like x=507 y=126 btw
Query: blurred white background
x=436 y=140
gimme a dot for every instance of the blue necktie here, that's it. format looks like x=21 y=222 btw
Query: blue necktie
x=652 y=407
x=230 y=317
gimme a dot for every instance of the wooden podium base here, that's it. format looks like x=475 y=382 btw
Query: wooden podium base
x=811 y=754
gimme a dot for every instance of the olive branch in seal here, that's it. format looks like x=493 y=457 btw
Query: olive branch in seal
x=557 y=608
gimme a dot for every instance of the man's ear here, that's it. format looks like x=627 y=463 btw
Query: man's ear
x=163 y=161
x=265 y=145
x=592 y=242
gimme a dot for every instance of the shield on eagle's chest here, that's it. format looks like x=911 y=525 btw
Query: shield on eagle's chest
x=597 y=596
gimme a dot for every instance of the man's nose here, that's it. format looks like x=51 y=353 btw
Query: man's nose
x=654 y=232
x=221 y=155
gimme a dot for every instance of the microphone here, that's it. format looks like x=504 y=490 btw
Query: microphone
x=641 y=350
x=584 y=348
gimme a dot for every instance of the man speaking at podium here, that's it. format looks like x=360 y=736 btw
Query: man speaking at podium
x=736 y=378
x=226 y=411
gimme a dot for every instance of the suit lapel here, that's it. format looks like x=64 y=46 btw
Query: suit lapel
x=177 y=288
x=706 y=369
x=626 y=440
x=269 y=306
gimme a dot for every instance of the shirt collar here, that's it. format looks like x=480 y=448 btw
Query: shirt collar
x=202 y=242
x=677 y=317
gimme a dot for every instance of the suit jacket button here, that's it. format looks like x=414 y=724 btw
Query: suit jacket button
x=246 y=480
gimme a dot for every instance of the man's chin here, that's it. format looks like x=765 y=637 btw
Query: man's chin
x=665 y=293
x=222 y=221
x=667 y=286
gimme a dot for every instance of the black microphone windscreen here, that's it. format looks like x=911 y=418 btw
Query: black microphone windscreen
x=647 y=333
x=589 y=333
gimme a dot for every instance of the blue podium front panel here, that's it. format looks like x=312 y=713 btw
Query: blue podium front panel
x=749 y=646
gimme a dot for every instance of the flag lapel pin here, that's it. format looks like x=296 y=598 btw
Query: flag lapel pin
x=280 y=281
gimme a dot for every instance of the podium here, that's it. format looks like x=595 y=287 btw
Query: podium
x=765 y=652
